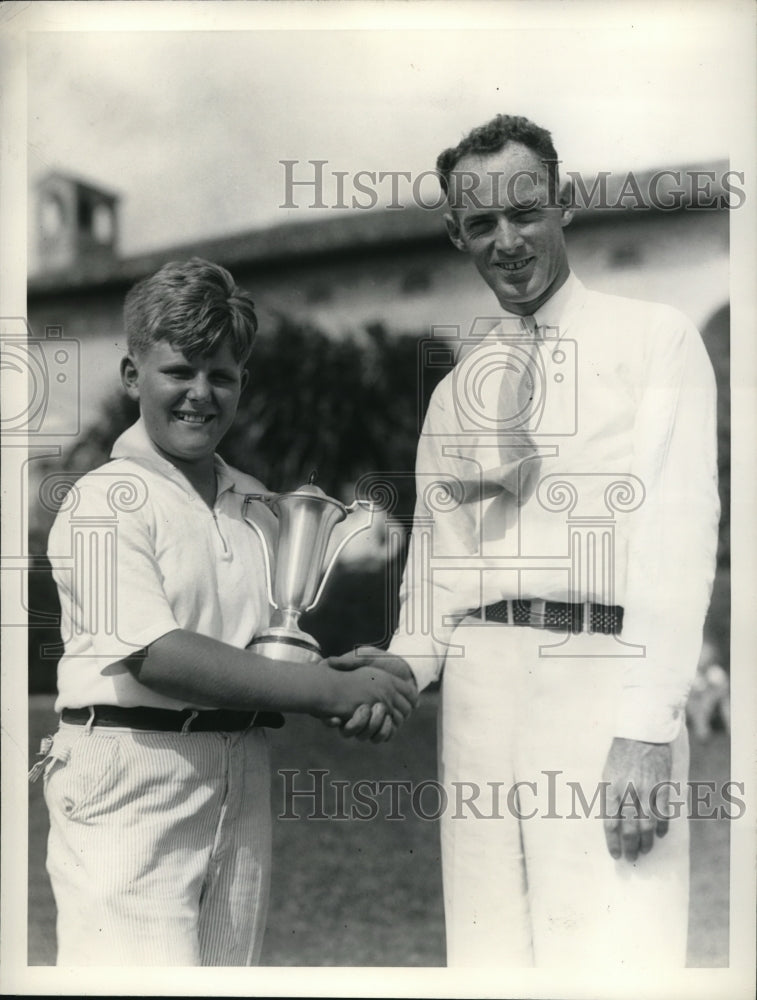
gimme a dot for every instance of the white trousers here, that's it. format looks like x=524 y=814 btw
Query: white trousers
x=160 y=846
x=535 y=884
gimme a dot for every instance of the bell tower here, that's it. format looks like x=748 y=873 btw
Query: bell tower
x=76 y=222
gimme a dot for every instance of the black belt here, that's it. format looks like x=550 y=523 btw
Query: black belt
x=556 y=616
x=166 y=720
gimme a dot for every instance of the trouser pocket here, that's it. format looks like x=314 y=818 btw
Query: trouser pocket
x=51 y=749
x=80 y=771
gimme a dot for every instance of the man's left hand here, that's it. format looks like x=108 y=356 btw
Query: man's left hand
x=636 y=804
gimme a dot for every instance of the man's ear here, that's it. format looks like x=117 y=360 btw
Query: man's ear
x=129 y=378
x=453 y=231
x=245 y=378
x=566 y=203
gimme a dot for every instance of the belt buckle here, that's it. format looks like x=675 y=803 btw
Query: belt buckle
x=537 y=613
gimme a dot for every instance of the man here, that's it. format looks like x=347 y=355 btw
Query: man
x=559 y=572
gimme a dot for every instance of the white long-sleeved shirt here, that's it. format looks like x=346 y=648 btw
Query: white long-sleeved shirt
x=617 y=449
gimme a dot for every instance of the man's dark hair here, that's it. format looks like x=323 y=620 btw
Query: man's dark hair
x=492 y=138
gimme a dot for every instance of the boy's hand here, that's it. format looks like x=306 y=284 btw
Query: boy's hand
x=372 y=722
x=353 y=691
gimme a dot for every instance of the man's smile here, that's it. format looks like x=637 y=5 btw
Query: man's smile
x=514 y=265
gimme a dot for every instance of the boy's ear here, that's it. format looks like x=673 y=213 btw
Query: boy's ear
x=129 y=377
x=453 y=231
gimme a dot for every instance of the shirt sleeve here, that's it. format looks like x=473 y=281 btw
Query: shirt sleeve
x=432 y=601
x=673 y=536
x=102 y=553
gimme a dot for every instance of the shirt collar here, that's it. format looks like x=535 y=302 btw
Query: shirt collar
x=558 y=311
x=135 y=443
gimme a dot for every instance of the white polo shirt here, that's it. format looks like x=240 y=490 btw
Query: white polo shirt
x=136 y=553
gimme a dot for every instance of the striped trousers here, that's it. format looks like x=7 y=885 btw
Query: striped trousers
x=160 y=846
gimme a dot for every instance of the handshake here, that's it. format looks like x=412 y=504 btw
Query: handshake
x=373 y=697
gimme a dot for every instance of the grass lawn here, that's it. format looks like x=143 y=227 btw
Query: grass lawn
x=351 y=892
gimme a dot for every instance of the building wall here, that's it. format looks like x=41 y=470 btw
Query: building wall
x=681 y=260
x=94 y=320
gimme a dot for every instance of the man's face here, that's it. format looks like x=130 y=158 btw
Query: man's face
x=506 y=217
x=187 y=403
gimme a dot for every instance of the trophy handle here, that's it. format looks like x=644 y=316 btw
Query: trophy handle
x=264 y=497
x=366 y=505
x=369 y=505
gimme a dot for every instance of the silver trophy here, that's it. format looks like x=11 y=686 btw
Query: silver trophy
x=298 y=563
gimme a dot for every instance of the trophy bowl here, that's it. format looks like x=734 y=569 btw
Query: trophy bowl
x=297 y=564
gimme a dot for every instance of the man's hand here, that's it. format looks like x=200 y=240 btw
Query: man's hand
x=371 y=722
x=636 y=804
x=343 y=694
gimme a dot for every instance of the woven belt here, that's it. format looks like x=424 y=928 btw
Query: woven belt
x=166 y=720
x=556 y=616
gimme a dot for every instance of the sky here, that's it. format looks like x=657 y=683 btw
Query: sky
x=189 y=126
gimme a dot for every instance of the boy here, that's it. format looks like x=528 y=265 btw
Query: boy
x=157 y=780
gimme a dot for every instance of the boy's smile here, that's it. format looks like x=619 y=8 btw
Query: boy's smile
x=187 y=403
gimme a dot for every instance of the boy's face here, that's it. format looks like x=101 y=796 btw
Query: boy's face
x=187 y=404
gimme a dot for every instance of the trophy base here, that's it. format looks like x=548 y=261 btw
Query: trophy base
x=283 y=644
